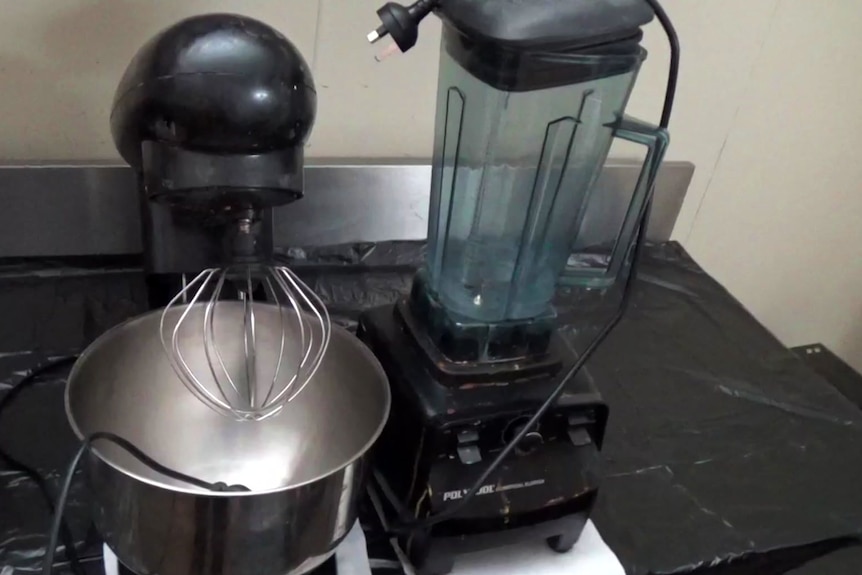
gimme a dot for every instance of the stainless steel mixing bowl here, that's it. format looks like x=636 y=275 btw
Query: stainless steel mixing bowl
x=304 y=467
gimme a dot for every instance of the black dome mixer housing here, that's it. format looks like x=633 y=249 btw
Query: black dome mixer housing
x=213 y=113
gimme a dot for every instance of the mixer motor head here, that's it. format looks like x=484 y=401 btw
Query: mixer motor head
x=213 y=114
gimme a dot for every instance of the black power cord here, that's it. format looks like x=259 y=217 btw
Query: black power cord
x=670 y=93
x=33 y=475
x=673 y=68
x=59 y=528
x=53 y=534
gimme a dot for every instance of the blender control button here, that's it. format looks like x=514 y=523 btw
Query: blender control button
x=530 y=443
x=468 y=436
x=579 y=436
x=580 y=419
x=469 y=454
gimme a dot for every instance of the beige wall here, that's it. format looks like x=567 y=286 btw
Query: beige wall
x=781 y=222
x=768 y=104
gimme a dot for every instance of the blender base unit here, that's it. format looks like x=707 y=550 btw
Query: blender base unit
x=441 y=436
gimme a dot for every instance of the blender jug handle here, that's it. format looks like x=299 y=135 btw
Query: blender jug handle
x=656 y=140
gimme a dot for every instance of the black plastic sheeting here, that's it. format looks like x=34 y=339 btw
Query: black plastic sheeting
x=724 y=454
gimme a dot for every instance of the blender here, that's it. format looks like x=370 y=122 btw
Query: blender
x=495 y=431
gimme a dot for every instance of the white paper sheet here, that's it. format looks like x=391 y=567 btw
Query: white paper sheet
x=112 y=566
x=590 y=556
x=351 y=557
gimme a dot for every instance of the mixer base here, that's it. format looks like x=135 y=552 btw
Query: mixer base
x=114 y=567
x=330 y=567
x=352 y=551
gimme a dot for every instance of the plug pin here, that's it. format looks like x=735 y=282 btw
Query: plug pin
x=376 y=35
x=388 y=51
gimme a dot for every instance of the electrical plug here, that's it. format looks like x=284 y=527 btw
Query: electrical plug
x=402 y=22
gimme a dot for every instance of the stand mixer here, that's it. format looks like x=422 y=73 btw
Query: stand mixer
x=496 y=431
x=216 y=137
x=201 y=454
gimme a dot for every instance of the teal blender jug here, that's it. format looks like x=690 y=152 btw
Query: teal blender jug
x=522 y=134
x=531 y=95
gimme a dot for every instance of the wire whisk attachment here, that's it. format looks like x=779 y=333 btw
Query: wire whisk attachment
x=242 y=368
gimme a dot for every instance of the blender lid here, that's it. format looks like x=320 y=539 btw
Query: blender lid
x=547 y=24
